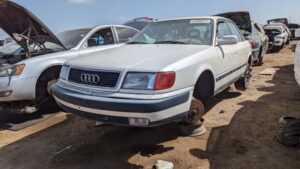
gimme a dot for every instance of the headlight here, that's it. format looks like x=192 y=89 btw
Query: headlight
x=64 y=72
x=149 y=81
x=139 y=81
x=14 y=70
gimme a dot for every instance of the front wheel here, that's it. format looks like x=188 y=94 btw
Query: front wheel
x=244 y=82
x=260 y=62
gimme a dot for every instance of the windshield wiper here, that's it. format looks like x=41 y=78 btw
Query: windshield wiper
x=170 y=42
x=137 y=42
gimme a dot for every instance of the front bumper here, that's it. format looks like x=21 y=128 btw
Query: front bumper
x=278 y=42
x=117 y=111
x=21 y=89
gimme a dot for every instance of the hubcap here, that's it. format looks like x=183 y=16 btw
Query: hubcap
x=196 y=111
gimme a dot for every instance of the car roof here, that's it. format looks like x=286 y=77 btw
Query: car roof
x=195 y=17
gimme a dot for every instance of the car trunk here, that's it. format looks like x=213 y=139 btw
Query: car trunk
x=26 y=30
x=241 y=19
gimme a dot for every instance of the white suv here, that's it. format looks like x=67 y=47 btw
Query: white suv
x=165 y=74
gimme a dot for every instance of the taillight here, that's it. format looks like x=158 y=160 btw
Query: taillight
x=252 y=42
x=164 y=80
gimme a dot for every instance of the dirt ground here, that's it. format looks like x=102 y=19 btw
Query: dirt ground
x=241 y=130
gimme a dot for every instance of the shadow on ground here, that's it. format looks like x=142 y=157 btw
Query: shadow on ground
x=15 y=121
x=77 y=143
x=249 y=140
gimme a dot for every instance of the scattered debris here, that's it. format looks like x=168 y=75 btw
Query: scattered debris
x=98 y=123
x=193 y=129
x=222 y=112
x=29 y=110
x=268 y=71
x=63 y=150
x=160 y=164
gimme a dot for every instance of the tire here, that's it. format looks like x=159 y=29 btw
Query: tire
x=288 y=42
x=244 y=82
x=45 y=81
x=196 y=112
x=260 y=62
x=204 y=87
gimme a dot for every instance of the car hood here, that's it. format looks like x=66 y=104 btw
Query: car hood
x=279 y=20
x=21 y=25
x=241 y=19
x=137 y=57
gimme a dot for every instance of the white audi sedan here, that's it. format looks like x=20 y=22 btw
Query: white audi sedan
x=165 y=74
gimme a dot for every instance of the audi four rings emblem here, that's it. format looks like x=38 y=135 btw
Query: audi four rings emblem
x=90 y=78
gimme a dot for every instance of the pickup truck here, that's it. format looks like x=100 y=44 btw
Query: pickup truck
x=165 y=74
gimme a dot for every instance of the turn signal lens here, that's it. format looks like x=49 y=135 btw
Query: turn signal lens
x=164 y=80
x=19 y=69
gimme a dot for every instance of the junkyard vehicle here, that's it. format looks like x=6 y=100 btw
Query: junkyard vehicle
x=251 y=31
x=292 y=27
x=139 y=23
x=297 y=58
x=38 y=66
x=283 y=21
x=164 y=74
x=278 y=35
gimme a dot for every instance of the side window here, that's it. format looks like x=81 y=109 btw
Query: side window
x=222 y=30
x=125 y=33
x=101 y=37
x=234 y=31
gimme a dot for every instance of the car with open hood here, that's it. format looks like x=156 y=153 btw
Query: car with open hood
x=252 y=31
x=165 y=74
x=43 y=53
x=278 y=34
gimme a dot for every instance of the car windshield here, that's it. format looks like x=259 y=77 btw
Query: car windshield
x=185 y=31
x=71 y=38
x=10 y=48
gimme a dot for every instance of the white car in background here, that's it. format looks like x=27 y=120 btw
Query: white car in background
x=279 y=36
x=165 y=74
x=297 y=58
x=27 y=75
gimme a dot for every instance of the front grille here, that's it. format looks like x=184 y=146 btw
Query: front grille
x=106 y=78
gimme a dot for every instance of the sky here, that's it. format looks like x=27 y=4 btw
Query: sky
x=60 y=15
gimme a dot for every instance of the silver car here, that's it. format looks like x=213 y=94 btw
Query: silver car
x=165 y=74
x=38 y=66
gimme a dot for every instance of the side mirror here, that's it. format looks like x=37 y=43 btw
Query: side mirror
x=228 y=40
x=297 y=33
